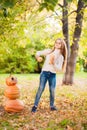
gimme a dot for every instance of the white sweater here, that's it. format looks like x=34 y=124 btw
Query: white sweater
x=58 y=60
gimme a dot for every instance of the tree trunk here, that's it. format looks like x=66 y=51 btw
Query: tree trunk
x=70 y=69
x=65 y=24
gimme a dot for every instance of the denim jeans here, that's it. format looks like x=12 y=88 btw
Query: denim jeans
x=44 y=77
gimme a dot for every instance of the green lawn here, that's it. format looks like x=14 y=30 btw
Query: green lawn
x=70 y=100
x=81 y=74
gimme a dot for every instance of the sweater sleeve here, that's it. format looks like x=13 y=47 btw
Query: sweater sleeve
x=43 y=52
x=58 y=63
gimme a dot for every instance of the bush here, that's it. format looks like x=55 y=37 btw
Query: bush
x=78 y=67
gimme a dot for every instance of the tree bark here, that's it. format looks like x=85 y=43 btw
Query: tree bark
x=71 y=63
x=65 y=24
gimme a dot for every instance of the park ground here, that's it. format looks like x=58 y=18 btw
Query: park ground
x=71 y=102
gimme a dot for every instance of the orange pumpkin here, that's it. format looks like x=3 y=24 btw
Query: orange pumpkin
x=12 y=92
x=11 y=80
x=14 y=105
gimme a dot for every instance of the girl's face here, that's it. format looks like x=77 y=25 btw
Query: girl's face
x=57 y=44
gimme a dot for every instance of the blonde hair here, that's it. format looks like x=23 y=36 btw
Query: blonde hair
x=63 y=51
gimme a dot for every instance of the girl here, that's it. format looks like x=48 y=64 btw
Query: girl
x=55 y=60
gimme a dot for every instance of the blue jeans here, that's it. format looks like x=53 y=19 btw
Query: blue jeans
x=44 y=77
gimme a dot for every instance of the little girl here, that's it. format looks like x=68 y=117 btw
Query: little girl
x=55 y=60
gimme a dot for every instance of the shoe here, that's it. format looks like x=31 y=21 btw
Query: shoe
x=53 y=108
x=34 y=109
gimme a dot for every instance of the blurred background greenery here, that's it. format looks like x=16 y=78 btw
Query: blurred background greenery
x=24 y=30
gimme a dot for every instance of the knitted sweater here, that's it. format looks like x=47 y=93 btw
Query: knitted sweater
x=58 y=60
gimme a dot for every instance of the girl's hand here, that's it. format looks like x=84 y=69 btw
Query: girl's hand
x=51 y=59
x=39 y=59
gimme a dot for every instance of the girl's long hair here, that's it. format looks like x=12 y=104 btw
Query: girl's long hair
x=63 y=52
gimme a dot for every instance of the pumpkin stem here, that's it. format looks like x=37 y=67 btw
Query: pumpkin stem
x=12 y=78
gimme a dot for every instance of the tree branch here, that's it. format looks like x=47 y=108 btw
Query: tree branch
x=60 y=5
x=72 y=12
x=38 y=2
x=56 y=13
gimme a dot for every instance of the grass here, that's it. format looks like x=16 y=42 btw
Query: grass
x=81 y=74
x=70 y=100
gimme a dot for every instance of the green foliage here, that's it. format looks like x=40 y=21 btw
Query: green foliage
x=85 y=60
x=18 y=61
x=48 y=4
x=8 y=3
x=85 y=53
x=85 y=1
x=78 y=67
x=22 y=33
x=64 y=122
x=42 y=6
x=69 y=0
x=7 y=125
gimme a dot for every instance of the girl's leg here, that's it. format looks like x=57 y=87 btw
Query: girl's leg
x=52 y=84
x=43 y=80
